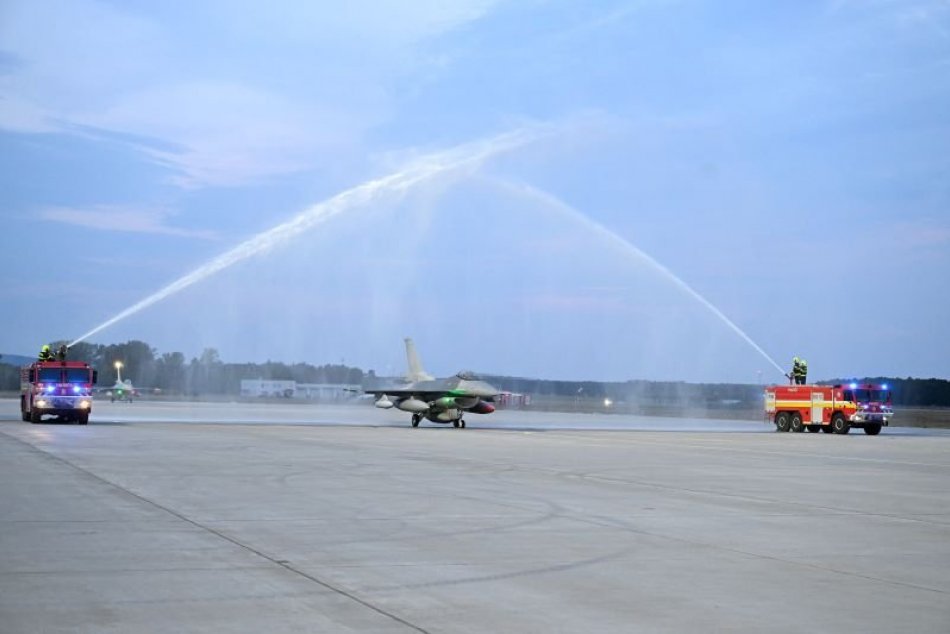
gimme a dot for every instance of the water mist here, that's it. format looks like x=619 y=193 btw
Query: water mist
x=416 y=173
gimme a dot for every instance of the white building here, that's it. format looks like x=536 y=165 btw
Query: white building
x=292 y=389
x=260 y=387
x=328 y=391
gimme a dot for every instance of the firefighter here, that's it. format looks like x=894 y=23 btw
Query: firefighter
x=45 y=353
x=61 y=353
x=804 y=367
x=798 y=371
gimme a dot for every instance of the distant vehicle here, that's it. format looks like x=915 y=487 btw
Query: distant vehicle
x=57 y=388
x=121 y=391
x=829 y=408
x=437 y=400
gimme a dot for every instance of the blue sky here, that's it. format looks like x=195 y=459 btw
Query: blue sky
x=786 y=160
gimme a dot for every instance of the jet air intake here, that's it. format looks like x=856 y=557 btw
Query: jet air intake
x=461 y=402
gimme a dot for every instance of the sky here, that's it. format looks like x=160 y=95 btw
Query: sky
x=700 y=190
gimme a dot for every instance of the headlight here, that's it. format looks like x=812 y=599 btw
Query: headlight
x=41 y=403
x=83 y=404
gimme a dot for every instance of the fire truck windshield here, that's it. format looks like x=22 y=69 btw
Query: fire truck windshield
x=872 y=396
x=77 y=375
x=49 y=375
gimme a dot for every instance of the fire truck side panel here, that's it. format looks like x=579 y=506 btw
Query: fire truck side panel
x=821 y=404
x=818 y=408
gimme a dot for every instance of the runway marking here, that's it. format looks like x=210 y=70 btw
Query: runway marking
x=481 y=465
x=605 y=522
x=721 y=445
x=279 y=562
x=610 y=523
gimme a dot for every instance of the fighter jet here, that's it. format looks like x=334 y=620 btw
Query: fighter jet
x=438 y=400
x=121 y=391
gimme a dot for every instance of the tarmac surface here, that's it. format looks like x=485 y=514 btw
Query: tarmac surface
x=210 y=517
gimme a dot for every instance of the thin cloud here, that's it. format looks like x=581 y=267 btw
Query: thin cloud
x=923 y=233
x=122 y=219
x=140 y=82
x=930 y=15
x=574 y=302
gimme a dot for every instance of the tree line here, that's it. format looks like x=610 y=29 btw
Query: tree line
x=906 y=392
x=173 y=374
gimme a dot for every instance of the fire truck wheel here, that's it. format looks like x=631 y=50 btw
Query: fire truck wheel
x=814 y=428
x=83 y=419
x=35 y=416
x=872 y=430
x=796 y=424
x=781 y=421
x=839 y=425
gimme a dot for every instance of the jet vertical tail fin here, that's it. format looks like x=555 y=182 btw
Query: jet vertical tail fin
x=416 y=373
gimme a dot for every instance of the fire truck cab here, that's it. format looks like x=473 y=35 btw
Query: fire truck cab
x=57 y=388
x=829 y=408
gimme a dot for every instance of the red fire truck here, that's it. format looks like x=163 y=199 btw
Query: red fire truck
x=57 y=388
x=829 y=408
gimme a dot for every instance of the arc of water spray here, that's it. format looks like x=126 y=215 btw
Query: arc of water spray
x=469 y=155
x=556 y=203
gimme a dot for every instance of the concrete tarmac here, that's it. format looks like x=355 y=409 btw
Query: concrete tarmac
x=161 y=517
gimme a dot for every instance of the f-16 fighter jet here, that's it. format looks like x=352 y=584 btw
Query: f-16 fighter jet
x=438 y=400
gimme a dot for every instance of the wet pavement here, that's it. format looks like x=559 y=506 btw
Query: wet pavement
x=260 y=517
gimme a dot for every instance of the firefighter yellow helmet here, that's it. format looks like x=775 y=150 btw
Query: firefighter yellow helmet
x=46 y=347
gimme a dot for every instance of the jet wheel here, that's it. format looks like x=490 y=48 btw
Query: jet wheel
x=462 y=424
x=415 y=420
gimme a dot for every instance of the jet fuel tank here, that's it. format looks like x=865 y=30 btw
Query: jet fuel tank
x=413 y=405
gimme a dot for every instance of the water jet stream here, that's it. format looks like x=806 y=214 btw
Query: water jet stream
x=425 y=168
x=556 y=203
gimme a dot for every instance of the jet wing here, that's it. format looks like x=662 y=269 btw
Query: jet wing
x=436 y=389
x=419 y=390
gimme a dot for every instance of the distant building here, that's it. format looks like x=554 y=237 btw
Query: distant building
x=512 y=400
x=260 y=387
x=328 y=391
x=291 y=389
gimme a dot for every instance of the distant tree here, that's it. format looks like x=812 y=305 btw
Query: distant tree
x=170 y=373
x=9 y=377
x=209 y=357
x=91 y=353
